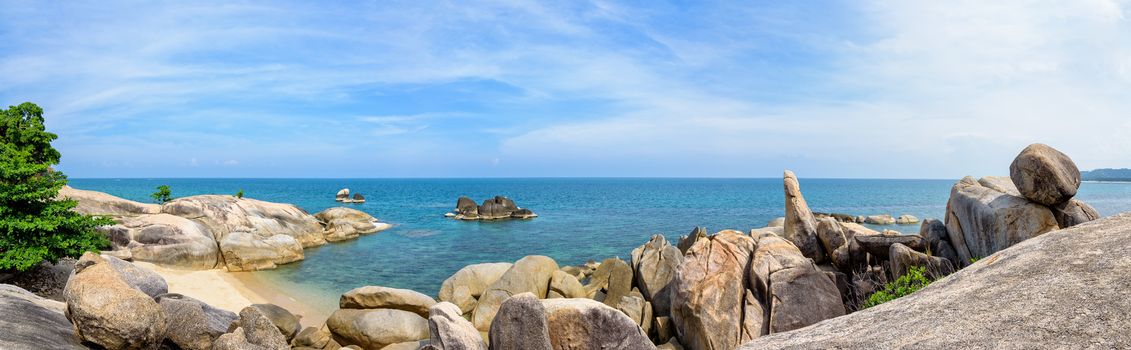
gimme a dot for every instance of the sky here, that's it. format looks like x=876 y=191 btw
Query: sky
x=834 y=89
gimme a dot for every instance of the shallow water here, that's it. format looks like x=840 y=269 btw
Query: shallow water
x=580 y=219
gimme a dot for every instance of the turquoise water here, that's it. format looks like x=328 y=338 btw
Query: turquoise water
x=580 y=219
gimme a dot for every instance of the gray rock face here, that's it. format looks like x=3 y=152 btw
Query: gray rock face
x=637 y=309
x=902 y=259
x=613 y=278
x=466 y=206
x=1044 y=175
x=192 y=324
x=246 y=251
x=883 y=219
x=377 y=297
x=376 y=328
x=98 y=203
x=800 y=225
x=346 y=223
x=587 y=324
x=466 y=286
x=107 y=311
x=879 y=245
x=711 y=306
x=166 y=240
x=520 y=325
x=685 y=242
x=450 y=331
x=492 y=209
x=1073 y=212
x=258 y=329
x=286 y=322
x=654 y=264
x=530 y=274
x=1060 y=290
x=146 y=281
x=224 y=215
x=981 y=220
x=31 y=322
x=795 y=292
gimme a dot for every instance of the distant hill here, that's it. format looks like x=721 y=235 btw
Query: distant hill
x=1106 y=175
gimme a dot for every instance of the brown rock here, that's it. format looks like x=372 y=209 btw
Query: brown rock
x=107 y=311
x=981 y=220
x=800 y=226
x=711 y=306
x=376 y=297
x=1044 y=175
x=530 y=274
x=654 y=264
x=1073 y=212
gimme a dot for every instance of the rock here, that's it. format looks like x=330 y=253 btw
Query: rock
x=376 y=328
x=1059 y=290
x=523 y=214
x=166 y=240
x=466 y=206
x=530 y=274
x=342 y=195
x=32 y=322
x=245 y=251
x=1001 y=184
x=358 y=198
x=236 y=340
x=710 y=304
x=906 y=219
x=777 y=231
x=654 y=264
x=830 y=234
x=521 y=325
x=798 y=293
x=860 y=219
x=1044 y=175
x=672 y=344
x=496 y=208
x=98 y=203
x=903 y=259
x=408 y=345
x=107 y=311
x=225 y=215
x=856 y=252
x=258 y=329
x=146 y=281
x=776 y=222
x=564 y=285
x=883 y=219
x=663 y=328
x=466 y=286
x=800 y=226
x=981 y=220
x=614 y=278
x=685 y=242
x=375 y=297
x=587 y=324
x=45 y=280
x=492 y=209
x=879 y=245
x=192 y=324
x=1073 y=212
x=637 y=309
x=946 y=251
x=346 y=223
x=311 y=337
x=933 y=232
x=285 y=321
x=450 y=331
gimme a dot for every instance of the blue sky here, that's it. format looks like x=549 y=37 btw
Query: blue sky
x=570 y=88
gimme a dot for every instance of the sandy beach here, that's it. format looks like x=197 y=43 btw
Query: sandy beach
x=233 y=291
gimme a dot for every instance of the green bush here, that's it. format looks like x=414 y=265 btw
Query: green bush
x=239 y=194
x=915 y=279
x=34 y=224
x=163 y=194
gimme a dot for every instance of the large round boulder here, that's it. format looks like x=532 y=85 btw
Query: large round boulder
x=286 y=322
x=192 y=324
x=1044 y=175
x=530 y=274
x=587 y=324
x=450 y=331
x=168 y=240
x=711 y=306
x=376 y=328
x=377 y=297
x=520 y=324
x=247 y=251
x=654 y=264
x=465 y=286
x=32 y=322
x=227 y=214
x=107 y=311
x=146 y=281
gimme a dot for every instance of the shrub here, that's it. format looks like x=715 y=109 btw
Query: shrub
x=163 y=194
x=915 y=279
x=239 y=194
x=35 y=225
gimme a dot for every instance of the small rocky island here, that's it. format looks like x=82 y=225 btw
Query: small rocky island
x=492 y=209
x=344 y=197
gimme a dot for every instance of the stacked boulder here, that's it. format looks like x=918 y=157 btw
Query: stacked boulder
x=492 y=209
x=374 y=317
x=346 y=223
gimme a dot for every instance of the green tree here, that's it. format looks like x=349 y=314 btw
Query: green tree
x=163 y=194
x=239 y=194
x=34 y=224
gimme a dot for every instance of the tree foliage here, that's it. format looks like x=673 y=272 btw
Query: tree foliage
x=163 y=194
x=915 y=279
x=34 y=224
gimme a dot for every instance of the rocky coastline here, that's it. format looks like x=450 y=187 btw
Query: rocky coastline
x=798 y=282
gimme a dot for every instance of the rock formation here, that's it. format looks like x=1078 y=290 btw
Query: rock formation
x=106 y=310
x=346 y=223
x=377 y=297
x=343 y=195
x=466 y=286
x=800 y=225
x=32 y=322
x=492 y=209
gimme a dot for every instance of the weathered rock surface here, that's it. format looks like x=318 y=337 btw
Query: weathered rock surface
x=654 y=264
x=343 y=195
x=520 y=325
x=376 y=328
x=450 y=331
x=564 y=285
x=981 y=220
x=800 y=225
x=108 y=311
x=284 y=320
x=465 y=286
x=795 y=292
x=311 y=337
x=492 y=209
x=192 y=324
x=345 y=223
x=685 y=242
x=879 y=245
x=30 y=322
x=637 y=309
x=710 y=304
x=587 y=324
x=1073 y=212
x=146 y=281
x=530 y=274
x=166 y=240
x=376 y=297
x=224 y=215
x=247 y=251
x=614 y=278
x=98 y=203
x=1064 y=289
x=1044 y=175
x=906 y=219
x=883 y=219
x=902 y=259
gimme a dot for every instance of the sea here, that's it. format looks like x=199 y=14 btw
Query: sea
x=580 y=219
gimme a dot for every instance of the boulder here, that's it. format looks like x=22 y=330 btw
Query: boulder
x=883 y=219
x=614 y=278
x=654 y=264
x=310 y=337
x=858 y=255
x=32 y=322
x=108 y=311
x=831 y=234
x=637 y=309
x=246 y=251
x=933 y=232
x=98 y=203
x=587 y=324
x=376 y=297
x=564 y=285
x=450 y=331
x=466 y=286
x=795 y=291
x=906 y=219
x=523 y=213
x=662 y=327
x=685 y=242
x=902 y=259
x=776 y=222
x=530 y=274
x=466 y=206
x=711 y=307
x=192 y=324
x=224 y=215
x=520 y=325
x=346 y=223
x=285 y=321
x=879 y=245
x=1044 y=175
x=800 y=225
x=376 y=328
x=146 y=281
x=1073 y=212
x=497 y=208
x=358 y=198
x=258 y=329
x=46 y=280
x=981 y=220
x=1059 y=290
x=166 y=240
x=1001 y=184
x=342 y=195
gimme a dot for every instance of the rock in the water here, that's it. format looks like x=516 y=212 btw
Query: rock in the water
x=245 y=251
x=450 y=331
x=654 y=264
x=530 y=274
x=981 y=220
x=903 y=259
x=285 y=321
x=466 y=206
x=30 y=322
x=614 y=278
x=587 y=324
x=1044 y=175
x=879 y=245
x=564 y=285
x=800 y=225
x=358 y=198
x=192 y=324
x=883 y=219
x=466 y=286
x=520 y=325
x=685 y=242
x=1060 y=290
x=523 y=213
x=711 y=306
x=495 y=208
x=376 y=297
x=342 y=195
x=107 y=311
x=1073 y=212
x=906 y=219
x=376 y=328
x=346 y=223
